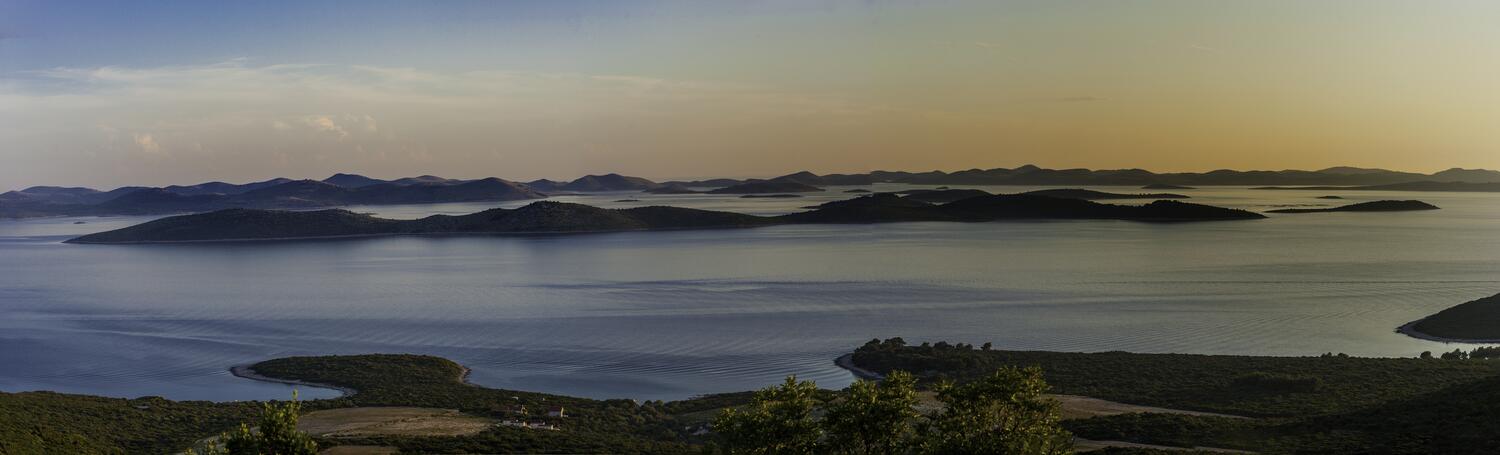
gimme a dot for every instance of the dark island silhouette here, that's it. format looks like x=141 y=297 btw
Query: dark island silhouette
x=1374 y=206
x=674 y=188
x=1476 y=321
x=1164 y=186
x=942 y=196
x=1091 y=195
x=768 y=186
x=557 y=217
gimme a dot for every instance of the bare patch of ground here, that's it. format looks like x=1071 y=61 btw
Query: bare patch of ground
x=391 y=421
x=1085 y=445
x=360 y=450
x=1081 y=407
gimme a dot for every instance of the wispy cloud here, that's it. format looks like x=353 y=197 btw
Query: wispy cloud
x=240 y=113
x=147 y=143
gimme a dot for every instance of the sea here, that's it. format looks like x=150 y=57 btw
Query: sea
x=676 y=314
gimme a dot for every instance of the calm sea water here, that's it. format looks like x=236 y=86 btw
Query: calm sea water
x=666 y=315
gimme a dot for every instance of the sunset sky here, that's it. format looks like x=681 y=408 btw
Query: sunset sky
x=113 y=93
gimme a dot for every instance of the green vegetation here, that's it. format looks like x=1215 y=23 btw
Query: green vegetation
x=1332 y=403
x=1324 y=404
x=591 y=426
x=1211 y=383
x=275 y=433
x=1475 y=320
x=53 y=423
x=1002 y=413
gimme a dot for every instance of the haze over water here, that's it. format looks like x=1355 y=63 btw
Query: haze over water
x=668 y=315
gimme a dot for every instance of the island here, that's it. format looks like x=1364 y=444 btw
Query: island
x=1164 y=186
x=674 y=188
x=1456 y=187
x=1476 y=321
x=548 y=217
x=942 y=196
x=770 y=196
x=1091 y=195
x=768 y=186
x=1330 y=197
x=1373 y=206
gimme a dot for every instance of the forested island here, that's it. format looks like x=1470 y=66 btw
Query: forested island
x=1373 y=206
x=557 y=217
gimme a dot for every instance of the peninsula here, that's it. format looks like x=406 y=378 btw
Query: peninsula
x=1476 y=321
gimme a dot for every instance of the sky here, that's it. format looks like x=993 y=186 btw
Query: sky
x=113 y=93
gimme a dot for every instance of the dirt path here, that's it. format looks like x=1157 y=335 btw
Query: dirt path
x=397 y=421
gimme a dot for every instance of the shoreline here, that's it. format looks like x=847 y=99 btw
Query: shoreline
x=846 y=362
x=1409 y=329
x=244 y=371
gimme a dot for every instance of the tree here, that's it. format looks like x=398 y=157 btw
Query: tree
x=874 y=417
x=1004 y=413
x=778 y=421
x=275 y=433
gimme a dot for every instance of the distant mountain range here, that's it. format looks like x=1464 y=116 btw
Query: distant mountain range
x=352 y=189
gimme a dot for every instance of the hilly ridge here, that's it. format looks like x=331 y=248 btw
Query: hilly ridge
x=346 y=189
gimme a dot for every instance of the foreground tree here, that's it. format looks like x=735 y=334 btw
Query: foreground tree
x=1004 y=413
x=778 y=421
x=874 y=417
x=275 y=433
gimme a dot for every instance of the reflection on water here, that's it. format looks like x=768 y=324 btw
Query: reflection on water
x=667 y=315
